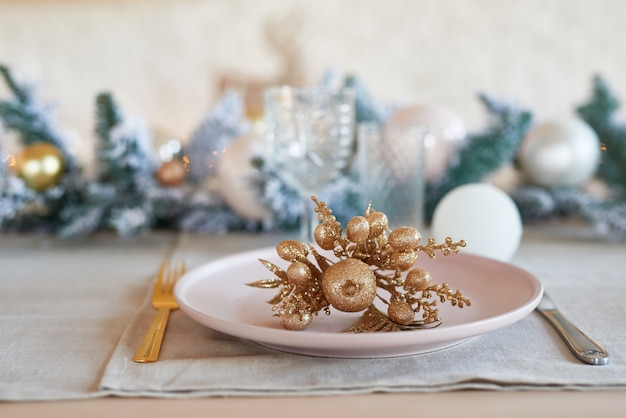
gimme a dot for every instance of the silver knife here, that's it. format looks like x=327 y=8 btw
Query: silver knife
x=581 y=345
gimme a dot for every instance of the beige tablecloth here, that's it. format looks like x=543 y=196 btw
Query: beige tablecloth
x=73 y=313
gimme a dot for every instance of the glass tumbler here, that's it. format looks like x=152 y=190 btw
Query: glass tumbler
x=390 y=161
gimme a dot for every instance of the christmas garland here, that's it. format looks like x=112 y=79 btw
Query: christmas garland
x=132 y=193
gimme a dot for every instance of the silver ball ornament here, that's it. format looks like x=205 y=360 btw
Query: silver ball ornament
x=560 y=153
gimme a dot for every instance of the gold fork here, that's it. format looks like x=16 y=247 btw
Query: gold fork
x=163 y=300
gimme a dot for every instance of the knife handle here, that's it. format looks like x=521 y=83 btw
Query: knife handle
x=581 y=345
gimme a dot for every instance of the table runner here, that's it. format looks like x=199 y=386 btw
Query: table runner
x=64 y=306
x=82 y=347
x=585 y=278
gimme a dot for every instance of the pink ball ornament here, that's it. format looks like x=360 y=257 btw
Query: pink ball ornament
x=446 y=131
x=557 y=153
x=235 y=176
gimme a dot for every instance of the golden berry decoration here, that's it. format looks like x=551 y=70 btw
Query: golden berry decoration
x=378 y=223
x=401 y=312
x=370 y=269
x=299 y=273
x=358 y=229
x=291 y=250
x=349 y=285
x=403 y=260
x=296 y=321
x=404 y=238
x=326 y=234
x=417 y=279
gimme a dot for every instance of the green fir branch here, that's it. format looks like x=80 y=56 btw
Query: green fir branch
x=31 y=119
x=121 y=161
x=599 y=113
x=483 y=152
x=22 y=93
x=108 y=115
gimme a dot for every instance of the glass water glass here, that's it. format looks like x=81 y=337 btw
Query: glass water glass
x=310 y=136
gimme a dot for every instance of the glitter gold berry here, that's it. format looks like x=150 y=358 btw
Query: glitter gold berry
x=349 y=285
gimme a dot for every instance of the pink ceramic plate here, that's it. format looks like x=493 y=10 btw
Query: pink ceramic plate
x=215 y=294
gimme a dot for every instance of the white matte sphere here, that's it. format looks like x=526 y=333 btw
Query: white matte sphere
x=446 y=131
x=560 y=153
x=235 y=175
x=484 y=216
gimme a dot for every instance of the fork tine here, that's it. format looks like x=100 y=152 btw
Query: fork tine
x=181 y=270
x=167 y=276
x=171 y=274
x=158 y=285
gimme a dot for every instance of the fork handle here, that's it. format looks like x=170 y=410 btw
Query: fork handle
x=149 y=350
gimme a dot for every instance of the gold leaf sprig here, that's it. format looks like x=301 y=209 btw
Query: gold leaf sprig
x=370 y=259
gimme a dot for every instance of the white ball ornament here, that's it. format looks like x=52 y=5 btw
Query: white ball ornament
x=560 y=153
x=446 y=131
x=482 y=215
x=235 y=176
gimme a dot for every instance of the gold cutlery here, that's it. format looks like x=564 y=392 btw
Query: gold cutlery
x=583 y=347
x=162 y=300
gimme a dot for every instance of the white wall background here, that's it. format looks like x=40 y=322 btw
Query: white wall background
x=164 y=60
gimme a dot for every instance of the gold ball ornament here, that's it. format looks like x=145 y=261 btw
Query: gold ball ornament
x=172 y=173
x=349 y=285
x=40 y=165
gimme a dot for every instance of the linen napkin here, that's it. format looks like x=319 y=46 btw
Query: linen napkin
x=64 y=305
x=196 y=361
